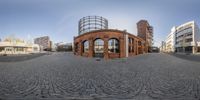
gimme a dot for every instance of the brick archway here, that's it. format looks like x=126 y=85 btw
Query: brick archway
x=98 y=47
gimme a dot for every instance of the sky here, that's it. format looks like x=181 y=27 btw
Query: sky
x=28 y=19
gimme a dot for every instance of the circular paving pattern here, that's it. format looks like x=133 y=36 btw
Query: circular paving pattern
x=65 y=76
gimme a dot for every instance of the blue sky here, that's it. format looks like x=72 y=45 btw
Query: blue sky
x=59 y=18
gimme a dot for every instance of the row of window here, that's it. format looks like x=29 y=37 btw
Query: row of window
x=19 y=49
x=186 y=40
x=113 y=46
x=188 y=49
x=185 y=29
x=186 y=34
x=8 y=49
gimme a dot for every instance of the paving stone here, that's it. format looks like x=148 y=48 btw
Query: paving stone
x=65 y=76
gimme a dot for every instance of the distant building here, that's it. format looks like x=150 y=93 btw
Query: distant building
x=155 y=49
x=17 y=46
x=54 y=47
x=145 y=31
x=163 y=46
x=64 y=46
x=44 y=42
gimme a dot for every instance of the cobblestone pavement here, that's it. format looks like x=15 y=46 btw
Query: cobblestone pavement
x=65 y=76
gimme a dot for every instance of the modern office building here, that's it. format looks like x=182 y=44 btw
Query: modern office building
x=163 y=46
x=170 y=41
x=17 y=46
x=145 y=31
x=108 y=43
x=44 y=42
x=187 y=38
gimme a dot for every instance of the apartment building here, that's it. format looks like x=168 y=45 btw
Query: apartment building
x=184 y=38
x=187 y=38
x=145 y=31
x=44 y=42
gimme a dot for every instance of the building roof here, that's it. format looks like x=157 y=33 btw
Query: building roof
x=143 y=20
x=109 y=30
x=185 y=24
x=16 y=44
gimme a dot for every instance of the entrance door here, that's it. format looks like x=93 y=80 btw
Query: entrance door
x=98 y=48
x=198 y=49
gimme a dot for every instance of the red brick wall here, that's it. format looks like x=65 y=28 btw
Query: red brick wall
x=105 y=35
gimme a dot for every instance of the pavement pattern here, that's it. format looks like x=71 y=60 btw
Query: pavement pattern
x=63 y=76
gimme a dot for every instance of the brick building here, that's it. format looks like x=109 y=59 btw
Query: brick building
x=108 y=43
x=97 y=40
x=145 y=31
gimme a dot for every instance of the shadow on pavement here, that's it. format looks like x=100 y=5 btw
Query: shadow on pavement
x=16 y=58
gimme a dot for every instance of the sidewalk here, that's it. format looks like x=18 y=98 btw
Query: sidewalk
x=191 y=57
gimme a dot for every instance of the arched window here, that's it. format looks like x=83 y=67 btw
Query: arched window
x=98 y=46
x=85 y=46
x=113 y=46
x=131 y=45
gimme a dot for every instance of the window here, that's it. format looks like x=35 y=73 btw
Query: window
x=131 y=45
x=188 y=40
x=189 y=34
x=1 y=49
x=19 y=49
x=130 y=40
x=98 y=46
x=139 y=43
x=85 y=46
x=113 y=46
x=198 y=49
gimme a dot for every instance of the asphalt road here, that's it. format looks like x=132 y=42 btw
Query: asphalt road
x=63 y=76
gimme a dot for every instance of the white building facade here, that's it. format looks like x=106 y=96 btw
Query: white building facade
x=187 y=38
x=17 y=46
x=170 y=41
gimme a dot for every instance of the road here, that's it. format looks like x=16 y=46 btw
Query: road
x=63 y=76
